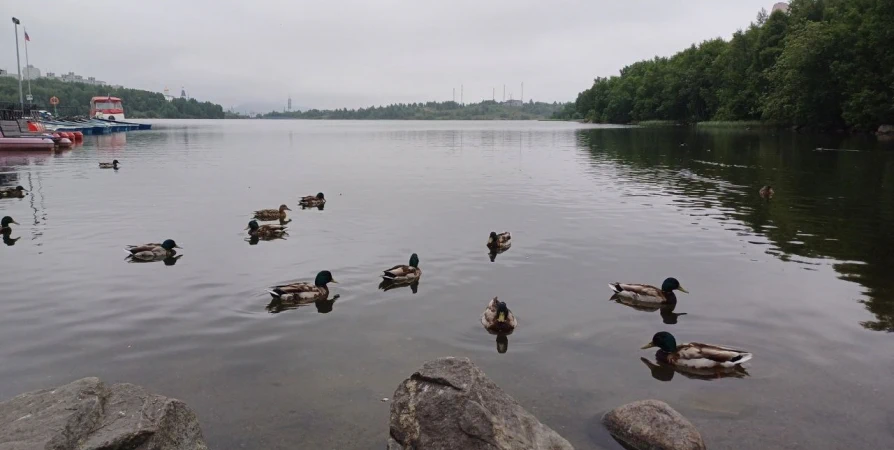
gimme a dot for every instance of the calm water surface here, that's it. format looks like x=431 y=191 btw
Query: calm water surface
x=804 y=281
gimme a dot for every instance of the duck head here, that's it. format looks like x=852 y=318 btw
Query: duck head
x=324 y=278
x=671 y=284
x=169 y=244
x=414 y=260
x=4 y=223
x=664 y=341
x=283 y=208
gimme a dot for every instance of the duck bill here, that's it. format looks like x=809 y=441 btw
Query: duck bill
x=501 y=317
x=682 y=290
x=288 y=209
x=333 y=281
x=15 y=222
x=649 y=345
x=177 y=246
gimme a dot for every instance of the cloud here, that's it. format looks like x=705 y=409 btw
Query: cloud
x=350 y=53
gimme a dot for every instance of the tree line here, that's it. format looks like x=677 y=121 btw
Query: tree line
x=826 y=64
x=485 y=110
x=74 y=100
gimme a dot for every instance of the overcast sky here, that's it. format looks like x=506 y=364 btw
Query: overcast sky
x=351 y=53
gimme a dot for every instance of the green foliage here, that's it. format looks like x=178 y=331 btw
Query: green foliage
x=486 y=110
x=74 y=99
x=826 y=64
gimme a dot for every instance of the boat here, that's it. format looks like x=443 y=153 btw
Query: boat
x=107 y=108
x=16 y=135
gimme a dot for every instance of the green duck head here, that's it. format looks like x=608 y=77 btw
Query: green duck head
x=20 y=189
x=169 y=244
x=324 y=278
x=320 y=196
x=671 y=284
x=4 y=223
x=252 y=225
x=414 y=260
x=502 y=311
x=663 y=340
x=115 y=162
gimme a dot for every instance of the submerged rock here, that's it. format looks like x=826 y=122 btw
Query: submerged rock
x=87 y=414
x=449 y=403
x=652 y=425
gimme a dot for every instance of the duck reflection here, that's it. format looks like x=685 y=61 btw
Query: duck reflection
x=324 y=306
x=668 y=315
x=319 y=207
x=665 y=372
x=502 y=343
x=9 y=240
x=493 y=252
x=387 y=285
x=168 y=260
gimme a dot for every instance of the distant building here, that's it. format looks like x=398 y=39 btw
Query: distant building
x=168 y=95
x=781 y=6
x=30 y=72
x=3 y=73
x=182 y=92
x=50 y=75
x=515 y=103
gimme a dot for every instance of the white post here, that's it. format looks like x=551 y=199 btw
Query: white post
x=27 y=66
x=19 y=64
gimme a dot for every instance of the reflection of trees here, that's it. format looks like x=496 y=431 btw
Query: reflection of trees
x=828 y=204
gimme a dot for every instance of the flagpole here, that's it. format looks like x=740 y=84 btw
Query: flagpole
x=27 y=64
x=18 y=64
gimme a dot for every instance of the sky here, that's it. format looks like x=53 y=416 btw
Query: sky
x=352 y=53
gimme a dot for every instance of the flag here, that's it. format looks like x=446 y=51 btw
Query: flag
x=27 y=38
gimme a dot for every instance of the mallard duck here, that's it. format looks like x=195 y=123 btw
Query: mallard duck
x=766 y=192
x=498 y=319
x=265 y=231
x=644 y=294
x=154 y=251
x=694 y=355
x=312 y=201
x=272 y=214
x=499 y=241
x=404 y=273
x=304 y=292
x=111 y=165
x=12 y=192
x=5 y=222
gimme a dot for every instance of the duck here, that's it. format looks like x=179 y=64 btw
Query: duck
x=499 y=241
x=5 y=222
x=695 y=356
x=154 y=251
x=111 y=165
x=312 y=201
x=265 y=231
x=404 y=273
x=498 y=319
x=12 y=192
x=272 y=214
x=643 y=294
x=304 y=292
x=766 y=192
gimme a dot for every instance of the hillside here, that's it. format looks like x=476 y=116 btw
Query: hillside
x=74 y=99
x=486 y=110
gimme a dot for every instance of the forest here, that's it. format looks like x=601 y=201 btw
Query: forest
x=74 y=100
x=486 y=110
x=826 y=64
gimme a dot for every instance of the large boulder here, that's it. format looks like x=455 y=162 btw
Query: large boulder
x=652 y=425
x=87 y=414
x=449 y=403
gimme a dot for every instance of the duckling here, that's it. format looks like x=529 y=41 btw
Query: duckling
x=312 y=201
x=766 y=192
x=643 y=294
x=153 y=252
x=12 y=192
x=111 y=165
x=272 y=214
x=5 y=222
x=695 y=356
x=498 y=319
x=304 y=292
x=265 y=232
x=499 y=241
x=404 y=273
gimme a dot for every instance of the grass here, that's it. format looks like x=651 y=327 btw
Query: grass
x=657 y=123
x=737 y=124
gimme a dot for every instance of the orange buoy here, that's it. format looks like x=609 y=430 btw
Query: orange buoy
x=56 y=135
x=78 y=136
x=33 y=126
x=64 y=142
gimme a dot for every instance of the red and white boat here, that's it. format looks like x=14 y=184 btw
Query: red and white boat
x=107 y=108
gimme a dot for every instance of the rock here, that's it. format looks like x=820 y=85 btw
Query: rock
x=89 y=415
x=449 y=403
x=652 y=425
x=886 y=129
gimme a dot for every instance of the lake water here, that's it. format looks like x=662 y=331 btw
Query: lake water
x=803 y=281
